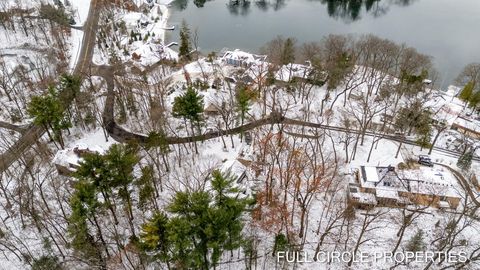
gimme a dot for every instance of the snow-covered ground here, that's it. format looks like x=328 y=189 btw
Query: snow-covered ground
x=139 y=37
x=272 y=153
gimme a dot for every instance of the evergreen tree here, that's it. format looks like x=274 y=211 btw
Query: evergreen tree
x=159 y=140
x=120 y=161
x=84 y=205
x=243 y=97
x=185 y=46
x=414 y=118
x=424 y=135
x=474 y=100
x=111 y=174
x=467 y=92
x=288 y=54
x=203 y=225
x=146 y=188
x=189 y=106
x=280 y=243
x=69 y=88
x=54 y=14
x=416 y=243
x=48 y=111
x=465 y=160
x=47 y=263
x=154 y=237
x=338 y=68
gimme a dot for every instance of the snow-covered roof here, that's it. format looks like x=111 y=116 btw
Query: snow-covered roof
x=242 y=56
x=452 y=90
x=431 y=181
x=234 y=168
x=371 y=174
x=424 y=180
x=443 y=204
x=132 y=19
x=471 y=125
x=287 y=72
x=447 y=113
x=387 y=193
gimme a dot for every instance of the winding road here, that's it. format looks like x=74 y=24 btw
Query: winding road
x=122 y=135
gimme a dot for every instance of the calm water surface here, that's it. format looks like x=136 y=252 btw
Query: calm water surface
x=448 y=30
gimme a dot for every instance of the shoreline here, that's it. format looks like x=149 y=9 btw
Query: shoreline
x=164 y=8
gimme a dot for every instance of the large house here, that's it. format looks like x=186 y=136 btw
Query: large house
x=385 y=186
x=240 y=58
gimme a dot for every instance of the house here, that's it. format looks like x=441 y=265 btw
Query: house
x=240 y=58
x=358 y=199
x=469 y=127
x=67 y=161
x=391 y=188
x=135 y=20
x=297 y=72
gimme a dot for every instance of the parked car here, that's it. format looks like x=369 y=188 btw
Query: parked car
x=425 y=160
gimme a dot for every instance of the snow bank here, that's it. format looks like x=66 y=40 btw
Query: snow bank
x=81 y=9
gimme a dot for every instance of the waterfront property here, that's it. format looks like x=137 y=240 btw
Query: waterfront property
x=240 y=58
x=298 y=72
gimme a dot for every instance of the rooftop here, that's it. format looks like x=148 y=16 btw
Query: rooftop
x=423 y=180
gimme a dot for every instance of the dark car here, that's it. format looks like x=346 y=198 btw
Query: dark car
x=425 y=160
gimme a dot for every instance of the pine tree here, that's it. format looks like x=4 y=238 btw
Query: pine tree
x=416 y=243
x=467 y=92
x=84 y=205
x=159 y=140
x=288 y=54
x=280 y=243
x=185 y=46
x=474 y=100
x=465 y=160
x=189 y=106
x=154 y=237
x=203 y=225
x=47 y=263
x=48 y=111
x=424 y=133
x=69 y=88
x=243 y=97
x=146 y=188
x=111 y=173
x=120 y=161
x=414 y=118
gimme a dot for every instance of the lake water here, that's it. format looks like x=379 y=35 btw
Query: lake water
x=448 y=30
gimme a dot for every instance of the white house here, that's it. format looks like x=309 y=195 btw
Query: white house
x=240 y=58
